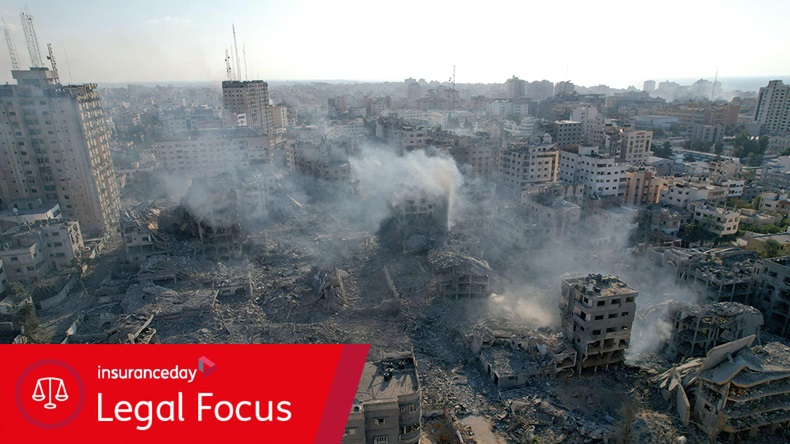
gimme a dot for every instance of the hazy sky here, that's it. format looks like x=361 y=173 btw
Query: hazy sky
x=613 y=42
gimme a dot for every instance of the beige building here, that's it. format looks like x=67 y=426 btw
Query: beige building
x=635 y=146
x=642 y=186
x=54 y=145
x=597 y=313
x=715 y=219
x=521 y=164
x=250 y=98
x=386 y=409
x=63 y=240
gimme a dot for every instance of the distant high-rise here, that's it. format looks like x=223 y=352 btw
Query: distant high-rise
x=515 y=88
x=250 y=98
x=54 y=145
x=649 y=86
x=773 y=109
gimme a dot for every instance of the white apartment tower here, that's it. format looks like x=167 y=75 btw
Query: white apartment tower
x=54 y=145
x=635 y=148
x=250 y=98
x=773 y=109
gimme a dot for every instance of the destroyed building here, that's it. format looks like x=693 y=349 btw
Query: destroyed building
x=723 y=274
x=210 y=212
x=140 y=234
x=735 y=391
x=597 y=313
x=386 y=408
x=419 y=218
x=698 y=328
x=772 y=293
x=511 y=357
x=460 y=276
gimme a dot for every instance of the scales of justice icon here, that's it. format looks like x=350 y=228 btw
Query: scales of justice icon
x=39 y=394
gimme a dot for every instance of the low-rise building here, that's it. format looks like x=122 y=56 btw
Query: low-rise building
x=715 y=219
x=512 y=357
x=460 y=276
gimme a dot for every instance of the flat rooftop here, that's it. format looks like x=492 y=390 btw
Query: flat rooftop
x=375 y=386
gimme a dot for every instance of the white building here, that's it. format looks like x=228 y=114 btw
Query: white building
x=635 y=148
x=601 y=175
x=715 y=219
x=680 y=192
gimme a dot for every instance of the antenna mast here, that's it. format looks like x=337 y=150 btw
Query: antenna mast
x=244 y=53
x=31 y=39
x=236 y=49
x=11 y=48
x=227 y=65
x=51 y=58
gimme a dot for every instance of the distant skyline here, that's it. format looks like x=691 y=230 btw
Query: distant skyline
x=618 y=43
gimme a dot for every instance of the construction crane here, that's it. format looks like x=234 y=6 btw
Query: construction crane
x=236 y=48
x=31 y=39
x=51 y=58
x=227 y=65
x=11 y=47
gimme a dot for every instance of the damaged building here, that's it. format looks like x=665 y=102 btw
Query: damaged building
x=210 y=212
x=140 y=234
x=736 y=391
x=698 y=328
x=386 y=408
x=419 y=217
x=460 y=276
x=512 y=357
x=597 y=313
x=772 y=293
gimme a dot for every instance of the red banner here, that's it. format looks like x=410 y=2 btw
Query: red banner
x=205 y=393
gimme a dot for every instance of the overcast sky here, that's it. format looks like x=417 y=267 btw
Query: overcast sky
x=613 y=42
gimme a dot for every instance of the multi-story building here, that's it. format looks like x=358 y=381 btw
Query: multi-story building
x=477 y=155
x=698 y=328
x=680 y=192
x=200 y=152
x=250 y=98
x=521 y=164
x=773 y=109
x=715 y=219
x=515 y=88
x=386 y=409
x=568 y=132
x=597 y=313
x=635 y=148
x=642 y=186
x=772 y=293
x=707 y=133
x=24 y=254
x=649 y=86
x=54 y=145
x=549 y=208
x=601 y=175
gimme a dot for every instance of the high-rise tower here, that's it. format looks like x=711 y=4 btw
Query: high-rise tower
x=54 y=145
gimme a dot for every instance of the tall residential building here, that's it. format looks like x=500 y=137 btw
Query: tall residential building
x=642 y=186
x=515 y=88
x=649 y=86
x=773 y=109
x=250 y=98
x=54 y=145
x=635 y=148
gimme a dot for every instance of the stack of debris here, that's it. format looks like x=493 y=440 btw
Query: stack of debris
x=331 y=292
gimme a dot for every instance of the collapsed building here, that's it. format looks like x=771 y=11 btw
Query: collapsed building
x=140 y=234
x=735 y=391
x=386 y=408
x=210 y=212
x=717 y=275
x=698 y=328
x=511 y=357
x=419 y=217
x=597 y=312
x=460 y=276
